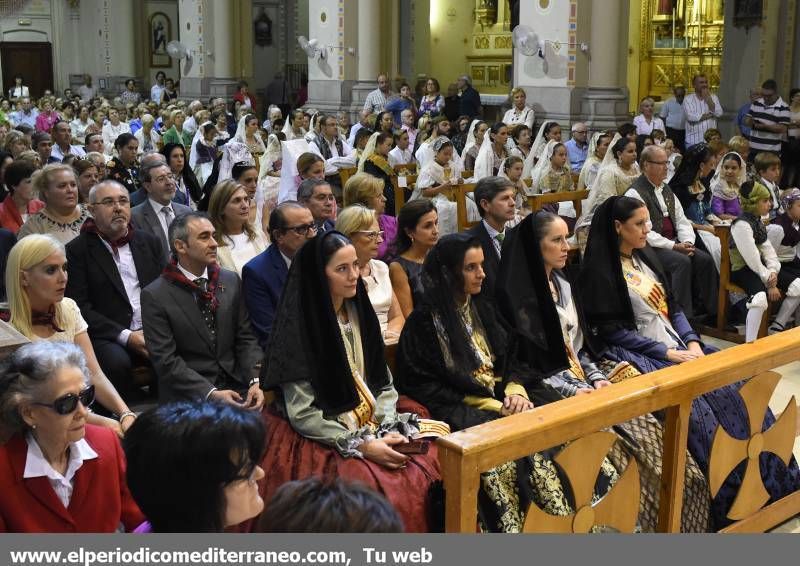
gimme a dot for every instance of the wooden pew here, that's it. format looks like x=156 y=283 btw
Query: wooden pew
x=537 y=202
x=726 y=287
x=458 y=194
x=399 y=192
x=464 y=455
x=405 y=169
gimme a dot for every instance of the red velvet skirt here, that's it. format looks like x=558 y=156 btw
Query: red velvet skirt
x=292 y=457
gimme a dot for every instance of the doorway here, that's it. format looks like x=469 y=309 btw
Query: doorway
x=33 y=61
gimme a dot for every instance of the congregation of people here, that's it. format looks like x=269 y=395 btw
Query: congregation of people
x=249 y=272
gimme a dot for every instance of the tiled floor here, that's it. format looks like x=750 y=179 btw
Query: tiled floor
x=788 y=387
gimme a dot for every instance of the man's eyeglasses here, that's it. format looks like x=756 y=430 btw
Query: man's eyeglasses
x=68 y=403
x=657 y=162
x=303 y=229
x=124 y=202
x=371 y=235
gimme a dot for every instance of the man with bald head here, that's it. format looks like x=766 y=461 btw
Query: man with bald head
x=109 y=264
x=695 y=280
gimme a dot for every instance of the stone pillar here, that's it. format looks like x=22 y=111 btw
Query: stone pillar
x=335 y=25
x=208 y=29
x=605 y=101
x=369 y=51
x=109 y=48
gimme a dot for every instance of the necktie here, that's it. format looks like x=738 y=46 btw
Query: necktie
x=500 y=237
x=205 y=308
x=168 y=217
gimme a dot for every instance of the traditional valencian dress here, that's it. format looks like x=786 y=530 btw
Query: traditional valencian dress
x=467 y=394
x=335 y=393
x=629 y=304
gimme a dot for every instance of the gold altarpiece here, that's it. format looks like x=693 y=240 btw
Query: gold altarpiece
x=489 y=52
x=677 y=39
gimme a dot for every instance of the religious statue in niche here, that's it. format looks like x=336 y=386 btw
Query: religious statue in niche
x=748 y=13
x=262 y=29
x=160 y=36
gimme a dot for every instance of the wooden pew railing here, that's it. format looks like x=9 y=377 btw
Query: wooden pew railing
x=537 y=202
x=465 y=454
x=458 y=194
x=400 y=193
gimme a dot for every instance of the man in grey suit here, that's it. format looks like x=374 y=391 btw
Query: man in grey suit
x=196 y=326
x=156 y=213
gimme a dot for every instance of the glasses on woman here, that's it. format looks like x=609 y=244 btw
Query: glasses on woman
x=68 y=403
x=303 y=229
x=371 y=235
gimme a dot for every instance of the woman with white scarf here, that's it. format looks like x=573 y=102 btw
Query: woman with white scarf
x=203 y=152
x=245 y=146
x=436 y=178
x=492 y=153
x=598 y=147
x=549 y=131
x=269 y=182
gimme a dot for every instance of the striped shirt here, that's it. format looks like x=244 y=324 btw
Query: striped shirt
x=376 y=101
x=693 y=108
x=772 y=114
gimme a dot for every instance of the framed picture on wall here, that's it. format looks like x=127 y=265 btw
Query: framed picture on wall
x=160 y=34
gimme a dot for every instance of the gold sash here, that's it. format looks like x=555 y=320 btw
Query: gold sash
x=650 y=290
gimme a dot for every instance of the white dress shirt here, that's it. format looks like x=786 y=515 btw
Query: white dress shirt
x=332 y=165
x=498 y=245
x=399 y=156
x=57 y=153
x=683 y=228
x=162 y=218
x=37 y=466
x=126 y=267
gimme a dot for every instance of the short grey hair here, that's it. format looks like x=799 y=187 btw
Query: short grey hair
x=106 y=183
x=306 y=189
x=146 y=168
x=648 y=151
x=28 y=371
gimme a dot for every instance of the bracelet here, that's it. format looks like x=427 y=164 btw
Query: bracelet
x=127 y=414
x=253 y=381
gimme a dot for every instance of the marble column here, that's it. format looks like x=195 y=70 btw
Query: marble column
x=209 y=30
x=336 y=26
x=109 y=48
x=605 y=101
x=369 y=51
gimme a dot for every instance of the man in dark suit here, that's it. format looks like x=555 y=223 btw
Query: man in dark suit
x=145 y=161
x=196 y=325
x=317 y=196
x=156 y=213
x=263 y=277
x=692 y=271
x=109 y=264
x=495 y=198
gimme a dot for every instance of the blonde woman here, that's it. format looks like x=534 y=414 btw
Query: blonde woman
x=16 y=143
x=62 y=216
x=238 y=240
x=360 y=224
x=113 y=129
x=148 y=136
x=366 y=190
x=176 y=133
x=36 y=279
x=519 y=113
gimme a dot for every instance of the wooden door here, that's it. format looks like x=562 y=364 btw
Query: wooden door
x=34 y=61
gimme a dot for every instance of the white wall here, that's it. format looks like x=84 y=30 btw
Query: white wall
x=552 y=24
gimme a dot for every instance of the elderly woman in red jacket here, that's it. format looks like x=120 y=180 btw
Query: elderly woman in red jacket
x=57 y=473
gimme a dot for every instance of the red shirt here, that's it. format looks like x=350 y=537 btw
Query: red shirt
x=10 y=217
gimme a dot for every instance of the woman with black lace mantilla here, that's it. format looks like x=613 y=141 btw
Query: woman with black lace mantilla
x=454 y=357
x=337 y=412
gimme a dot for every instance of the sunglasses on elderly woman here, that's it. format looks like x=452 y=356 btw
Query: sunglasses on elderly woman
x=69 y=402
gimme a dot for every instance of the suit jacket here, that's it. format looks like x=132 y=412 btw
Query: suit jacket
x=144 y=218
x=491 y=261
x=7 y=241
x=96 y=285
x=100 y=497
x=263 y=278
x=181 y=347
